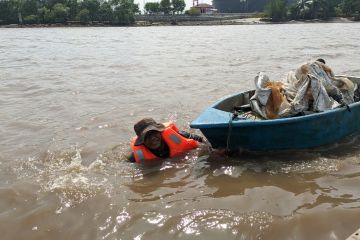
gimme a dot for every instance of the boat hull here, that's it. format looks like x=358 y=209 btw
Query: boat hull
x=279 y=134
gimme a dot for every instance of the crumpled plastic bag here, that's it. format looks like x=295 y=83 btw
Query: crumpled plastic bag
x=312 y=87
x=268 y=101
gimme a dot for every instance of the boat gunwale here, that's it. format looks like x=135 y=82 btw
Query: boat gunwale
x=250 y=122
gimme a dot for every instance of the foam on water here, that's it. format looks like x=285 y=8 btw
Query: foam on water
x=238 y=224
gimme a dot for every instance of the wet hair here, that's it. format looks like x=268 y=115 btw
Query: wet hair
x=321 y=60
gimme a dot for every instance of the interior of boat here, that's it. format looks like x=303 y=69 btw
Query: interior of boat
x=241 y=102
x=236 y=101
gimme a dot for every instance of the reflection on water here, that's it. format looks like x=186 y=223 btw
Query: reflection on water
x=68 y=106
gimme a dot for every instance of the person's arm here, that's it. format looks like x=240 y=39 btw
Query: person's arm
x=191 y=136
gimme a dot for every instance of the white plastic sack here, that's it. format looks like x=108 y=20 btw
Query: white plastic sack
x=312 y=87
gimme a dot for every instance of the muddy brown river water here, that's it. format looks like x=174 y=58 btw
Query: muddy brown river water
x=69 y=98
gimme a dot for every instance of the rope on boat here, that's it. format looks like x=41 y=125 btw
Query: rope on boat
x=229 y=134
x=232 y=116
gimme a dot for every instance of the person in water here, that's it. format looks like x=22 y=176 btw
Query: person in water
x=159 y=141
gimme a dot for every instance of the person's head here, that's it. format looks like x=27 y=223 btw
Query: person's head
x=153 y=139
x=148 y=132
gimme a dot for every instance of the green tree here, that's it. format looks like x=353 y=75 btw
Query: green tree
x=74 y=8
x=93 y=7
x=136 y=9
x=106 y=12
x=152 y=7
x=301 y=10
x=51 y=3
x=31 y=19
x=83 y=16
x=178 y=5
x=351 y=7
x=60 y=13
x=334 y=7
x=43 y=14
x=147 y=7
x=18 y=6
x=276 y=10
x=165 y=6
x=321 y=9
x=124 y=12
x=8 y=12
x=310 y=9
x=29 y=7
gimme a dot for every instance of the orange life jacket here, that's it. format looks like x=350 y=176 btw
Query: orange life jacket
x=177 y=144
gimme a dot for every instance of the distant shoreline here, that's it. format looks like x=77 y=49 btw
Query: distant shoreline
x=216 y=22
x=248 y=21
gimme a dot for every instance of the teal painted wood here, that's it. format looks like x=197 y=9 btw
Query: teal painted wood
x=279 y=134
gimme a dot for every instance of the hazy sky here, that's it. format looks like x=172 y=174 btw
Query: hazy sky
x=188 y=2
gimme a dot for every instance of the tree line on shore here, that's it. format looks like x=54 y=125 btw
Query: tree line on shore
x=122 y=12
x=117 y=12
x=282 y=10
x=165 y=7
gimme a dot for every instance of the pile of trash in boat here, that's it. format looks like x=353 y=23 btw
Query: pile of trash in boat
x=311 y=88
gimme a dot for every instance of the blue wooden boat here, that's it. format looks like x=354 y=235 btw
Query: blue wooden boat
x=299 y=132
